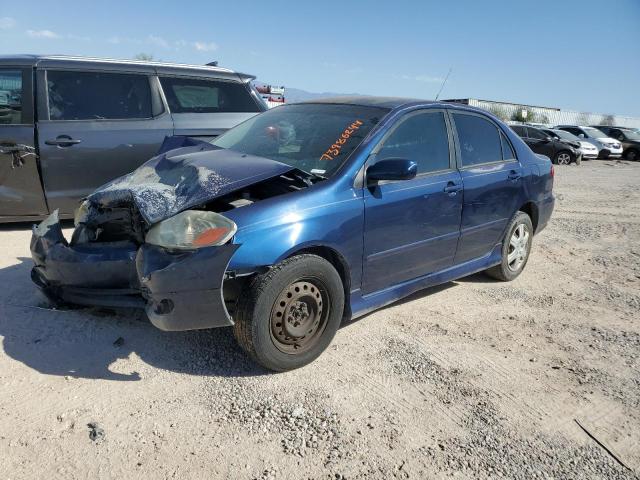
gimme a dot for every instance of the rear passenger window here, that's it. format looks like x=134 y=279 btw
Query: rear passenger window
x=479 y=140
x=98 y=96
x=189 y=95
x=10 y=97
x=507 y=149
x=421 y=138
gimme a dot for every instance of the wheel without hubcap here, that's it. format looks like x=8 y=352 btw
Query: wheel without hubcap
x=299 y=316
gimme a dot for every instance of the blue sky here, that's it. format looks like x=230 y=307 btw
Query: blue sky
x=576 y=54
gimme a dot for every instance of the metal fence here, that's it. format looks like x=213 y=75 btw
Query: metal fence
x=552 y=116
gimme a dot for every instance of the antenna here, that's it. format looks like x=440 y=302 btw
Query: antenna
x=444 y=81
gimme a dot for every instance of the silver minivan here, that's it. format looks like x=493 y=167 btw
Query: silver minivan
x=71 y=124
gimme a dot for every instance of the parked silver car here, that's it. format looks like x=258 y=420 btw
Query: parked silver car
x=608 y=147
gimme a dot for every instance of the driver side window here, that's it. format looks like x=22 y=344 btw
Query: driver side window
x=422 y=138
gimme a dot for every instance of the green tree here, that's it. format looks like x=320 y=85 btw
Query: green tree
x=499 y=112
x=145 y=57
x=519 y=117
x=608 y=120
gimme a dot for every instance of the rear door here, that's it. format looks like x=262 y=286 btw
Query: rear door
x=95 y=126
x=538 y=142
x=204 y=107
x=492 y=179
x=20 y=187
x=412 y=226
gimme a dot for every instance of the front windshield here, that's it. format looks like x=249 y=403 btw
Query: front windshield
x=565 y=135
x=313 y=137
x=594 y=132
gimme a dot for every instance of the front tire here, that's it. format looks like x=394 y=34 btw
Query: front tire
x=563 y=158
x=632 y=155
x=516 y=247
x=288 y=316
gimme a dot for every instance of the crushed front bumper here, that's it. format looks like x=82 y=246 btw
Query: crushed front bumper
x=178 y=290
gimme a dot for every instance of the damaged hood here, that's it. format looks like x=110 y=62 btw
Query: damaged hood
x=183 y=178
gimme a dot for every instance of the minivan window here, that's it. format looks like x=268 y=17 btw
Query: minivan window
x=98 y=96
x=478 y=138
x=421 y=138
x=10 y=97
x=192 y=95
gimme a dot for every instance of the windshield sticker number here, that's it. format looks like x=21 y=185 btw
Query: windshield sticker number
x=334 y=150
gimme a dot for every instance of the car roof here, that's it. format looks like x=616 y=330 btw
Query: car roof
x=69 y=61
x=370 y=101
x=392 y=103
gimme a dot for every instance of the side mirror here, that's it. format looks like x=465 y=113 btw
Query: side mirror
x=581 y=135
x=548 y=139
x=392 y=169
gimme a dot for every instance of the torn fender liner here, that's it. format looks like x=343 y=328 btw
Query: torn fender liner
x=184 y=289
x=183 y=178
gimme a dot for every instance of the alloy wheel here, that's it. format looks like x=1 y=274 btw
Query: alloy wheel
x=518 y=247
x=564 y=159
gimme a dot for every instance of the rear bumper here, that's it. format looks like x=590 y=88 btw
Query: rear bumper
x=178 y=290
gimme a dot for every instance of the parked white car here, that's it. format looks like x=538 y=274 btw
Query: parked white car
x=608 y=147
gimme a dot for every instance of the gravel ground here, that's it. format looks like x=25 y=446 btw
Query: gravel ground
x=472 y=379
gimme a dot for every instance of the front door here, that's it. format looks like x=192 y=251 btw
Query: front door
x=96 y=126
x=412 y=226
x=20 y=187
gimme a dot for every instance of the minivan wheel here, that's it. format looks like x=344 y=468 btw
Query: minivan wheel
x=563 y=158
x=516 y=247
x=288 y=316
x=632 y=155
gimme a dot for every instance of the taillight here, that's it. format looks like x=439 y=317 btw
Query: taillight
x=553 y=171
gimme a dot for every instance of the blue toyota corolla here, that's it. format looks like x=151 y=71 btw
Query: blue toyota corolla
x=301 y=217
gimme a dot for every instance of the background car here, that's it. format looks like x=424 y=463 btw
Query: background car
x=357 y=203
x=629 y=138
x=560 y=153
x=589 y=150
x=71 y=124
x=608 y=147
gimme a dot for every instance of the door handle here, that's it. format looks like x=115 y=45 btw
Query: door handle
x=62 y=141
x=513 y=175
x=452 y=188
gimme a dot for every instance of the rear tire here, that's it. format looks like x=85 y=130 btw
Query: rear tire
x=288 y=316
x=516 y=246
x=631 y=155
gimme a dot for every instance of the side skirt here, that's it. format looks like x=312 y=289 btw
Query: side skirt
x=361 y=305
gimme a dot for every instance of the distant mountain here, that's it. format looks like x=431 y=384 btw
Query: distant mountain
x=293 y=95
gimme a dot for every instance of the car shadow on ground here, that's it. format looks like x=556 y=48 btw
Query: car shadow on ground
x=89 y=343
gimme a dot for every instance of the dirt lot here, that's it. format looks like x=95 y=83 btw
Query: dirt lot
x=474 y=379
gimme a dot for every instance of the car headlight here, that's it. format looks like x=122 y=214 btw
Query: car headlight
x=81 y=213
x=192 y=229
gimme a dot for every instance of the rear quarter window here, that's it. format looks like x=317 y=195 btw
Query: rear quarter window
x=192 y=95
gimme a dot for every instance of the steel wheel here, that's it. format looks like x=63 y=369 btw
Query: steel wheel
x=518 y=247
x=299 y=316
x=563 y=158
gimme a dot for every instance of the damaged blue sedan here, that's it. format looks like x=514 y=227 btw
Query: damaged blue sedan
x=301 y=217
